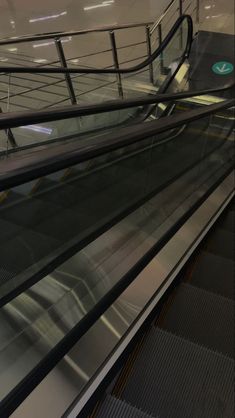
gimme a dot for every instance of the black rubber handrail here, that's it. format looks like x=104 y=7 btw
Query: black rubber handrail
x=138 y=67
x=16 y=119
x=21 y=168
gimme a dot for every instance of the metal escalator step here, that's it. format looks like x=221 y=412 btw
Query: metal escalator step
x=202 y=317
x=173 y=377
x=221 y=242
x=115 y=408
x=214 y=273
x=228 y=221
x=232 y=204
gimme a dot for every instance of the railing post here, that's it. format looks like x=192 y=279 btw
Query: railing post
x=116 y=63
x=198 y=12
x=60 y=52
x=181 y=29
x=180 y=7
x=149 y=52
x=159 y=29
x=10 y=135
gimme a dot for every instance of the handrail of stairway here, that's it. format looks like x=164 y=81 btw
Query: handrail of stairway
x=24 y=167
x=138 y=67
x=15 y=119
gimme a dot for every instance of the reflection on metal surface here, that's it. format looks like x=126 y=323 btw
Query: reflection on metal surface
x=98 y=5
x=92 y=351
x=43 y=18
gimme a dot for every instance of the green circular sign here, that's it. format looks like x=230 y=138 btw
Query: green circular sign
x=222 y=68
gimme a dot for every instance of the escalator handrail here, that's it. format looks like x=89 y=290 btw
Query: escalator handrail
x=138 y=67
x=15 y=119
x=24 y=167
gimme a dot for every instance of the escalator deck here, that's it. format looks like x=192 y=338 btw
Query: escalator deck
x=184 y=365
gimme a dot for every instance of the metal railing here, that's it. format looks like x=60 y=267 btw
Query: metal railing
x=153 y=33
x=139 y=67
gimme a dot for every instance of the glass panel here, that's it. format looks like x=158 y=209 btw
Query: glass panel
x=114 y=208
x=78 y=128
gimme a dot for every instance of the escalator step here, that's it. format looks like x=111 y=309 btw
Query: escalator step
x=115 y=408
x=202 y=317
x=232 y=204
x=214 y=273
x=227 y=222
x=173 y=377
x=221 y=242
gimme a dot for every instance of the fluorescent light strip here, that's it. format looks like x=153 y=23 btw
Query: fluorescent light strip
x=39 y=19
x=96 y=6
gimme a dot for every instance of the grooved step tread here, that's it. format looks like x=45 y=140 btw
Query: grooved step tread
x=221 y=242
x=115 y=408
x=228 y=221
x=202 y=317
x=173 y=377
x=214 y=273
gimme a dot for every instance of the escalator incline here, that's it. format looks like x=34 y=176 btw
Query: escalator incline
x=184 y=365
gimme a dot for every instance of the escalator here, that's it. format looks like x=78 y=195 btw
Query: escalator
x=183 y=366
x=78 y=239
x=43 y=218
x=81 y=220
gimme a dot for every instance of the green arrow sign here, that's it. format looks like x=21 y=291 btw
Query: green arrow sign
x=222 y=68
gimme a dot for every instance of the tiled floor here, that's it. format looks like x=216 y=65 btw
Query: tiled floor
x=29 y=16
x=217 y=15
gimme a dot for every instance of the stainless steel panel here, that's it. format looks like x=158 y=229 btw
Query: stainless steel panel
x=76 y=377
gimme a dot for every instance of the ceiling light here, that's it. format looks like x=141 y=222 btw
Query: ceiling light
x=3 y=59
x=12 y=49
